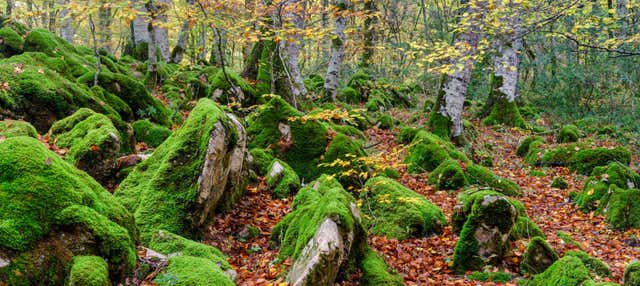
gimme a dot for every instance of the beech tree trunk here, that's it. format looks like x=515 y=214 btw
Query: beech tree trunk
x=621 y=11
x=152 y=65
x=104 y=23
x=370 y=35
x=161 y=32
x=337 y=50
x=446 y=118
x=9 y=9
x=138 y=45
x=66 y=29
x=290 y=48
x=183 y=38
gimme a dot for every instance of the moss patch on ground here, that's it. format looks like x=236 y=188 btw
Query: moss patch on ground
x=14 y=128
x=88 y=271
x=150 y=133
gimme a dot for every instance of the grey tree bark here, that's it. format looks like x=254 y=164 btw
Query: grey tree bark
x=152 y=65
x=621 y=11
x=160 y=30
x=337 y=50
x=66 y=29
x=9 y=9
x=370 y=35
x=140 y=25
x=183 y=37
x=290 y=48
x=104 y=24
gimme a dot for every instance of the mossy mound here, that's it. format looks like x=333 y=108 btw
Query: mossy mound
x=314 y=83
x=602 y=178
x=385 y=122
x=525 y=228
x=88 y=271
x=407 y=134
x=621 y=207
x=262 y=159
x=350 y=95
x=504 y=111
x=567 y=271
x=538 y=256
x=559 y=182
x=246 y=95
x=484 y=239
x=482 y=176
x=14 y=128
x=632 y=274
x=428 y=151
x=51 y=211
x=524 y=147
x=11 y=43
x=150 y=133
x=578 y=157
x=375 y=270
x=343 y=148
x=190 y=262
x=134 y=94
x=282 y=180
x=63 y=57
x=163 y=191
x=568 y=133
x=189 y=83
x=399 y=212
x=595 y=266
x=448 y=176
x=500 y=277
x=92 y=140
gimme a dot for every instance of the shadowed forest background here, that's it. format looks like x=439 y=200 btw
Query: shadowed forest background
x=329 y=142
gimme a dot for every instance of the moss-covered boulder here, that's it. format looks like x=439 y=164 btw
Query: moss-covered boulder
x=632 y=274
x=341 y=149
x=14 y=128
x=262 y=159
x=468 y=198
x=178 y=188
x=190 y=262
x=525 y=228
x=375 y=270
x=282 y=180
x=231 y=87
x=448 y=176
x=567 y=271
x=385 y=122
x=150 y=133
x=92 y=140
x=88 y=271
x=578 y=157
x=11 y=43
x=482 y=176
x=484 y=239
x=50 y=212
x=538 y=256
x=524 y=146
x=428 y=151
x=407 y=134
x=568 y=133
x=621 y=207
x=399 y=212
x=595 y=266
x=602 y=178
x=559 y=183
x=319 y=233
x=350 y=95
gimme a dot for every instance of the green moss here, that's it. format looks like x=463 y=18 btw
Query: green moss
x=503 y=111
x=192 y=271
x=491 y=212
x=428 y=151
x=439 y=124
x=161 y=191
x=469 y=197
x=448 y=176
x=537 y=173
x=14 y=128
x=597 y=185
x=349 y=130
x=399 y=212
x=12 y=42
x=262 y=159
x=500 y=277
x=482 y=176
x=385 y=122
x=524 y=147
x=308 y=139
x=538 y=256
x=376 y=272
x=350 y=95
x=566 y=238
x=525 y=228
x=68 y=60
x=534 y=152
x=559 y=182
x=323 y=199
x=219 y=81
x=407 y=134
x=568 y=133
x=133 y=93
x=152 y=134
x=622 y=208
x=174 y=245
x=378 y=101
x=285 y=183
x=567 y=271
x=314 y=83
x=595 y=266
x=344 y=148
x=584 y=161
x=632 y=274
x=88 y=271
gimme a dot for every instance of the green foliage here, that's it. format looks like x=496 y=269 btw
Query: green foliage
x=559 y=182
x=632 y=274
x=622 y=208
x=595 y=266
x=174 y=245
x=323 y=199
x=567 y=271
x=538 y=256
x=568 y=133
x=88 y=271
x=192 y=271
x=376 y=272
x=448 y=176
x=407 y=134
x=500 y=277
x=350 y=95
x=385 y=122
x=12 y=42
x=14 y=128
x=150 y=133
x=162 y=189
x=283 y=183
x=524 y=147
x=399 y=212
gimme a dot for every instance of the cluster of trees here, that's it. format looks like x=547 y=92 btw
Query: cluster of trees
x=578 y=54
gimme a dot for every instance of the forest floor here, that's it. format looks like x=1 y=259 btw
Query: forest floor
x=427 y=261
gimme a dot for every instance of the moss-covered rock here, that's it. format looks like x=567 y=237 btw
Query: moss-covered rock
x=407 y=134
x=239 y=90
x=468 y=198
x=559 y=182
x=503 y=111
x=597 y=185
x=399 y=212
x=500 y=277
x=88 y=271
x=484 y=239
x=385 y=122
x=133 y=93
x=448 y=176
x=524 y=147
x=376 y=272
x=595 y=266
x=538 y=256
x=343 y=148
x=482 y=176
x=299 y=143
x=350 y=95
x=262 y=159
x=568 y=133
x=192 y=271
x=282 y=180
x=11 y=43
x=179 y=186
x=584 y=161
x=428 y=151
x=621 y=207
x=567 y=271
x=150 y=133
x=632 y=274
x=51 y=211
x=92 y=140
x=14 y=128
x=525 y=228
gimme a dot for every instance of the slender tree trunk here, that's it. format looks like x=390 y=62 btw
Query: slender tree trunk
x=152 y=65
x=92 y=28
x=66 y=29
x=30 y=12
x=425 y=21
x=290 y=48
x=53 y=14
x=183 y=37
x=160 y=29
x=104 y=23
x=337 y=50
x=370 y=34
x=139 y=45
x=202 y=56
x=621 y=11
x=445 y=119
x=219 y=44
x=9 y=9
